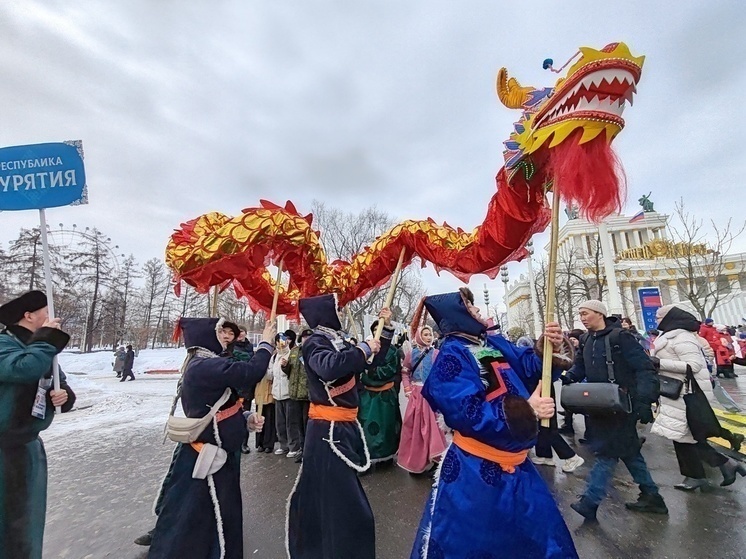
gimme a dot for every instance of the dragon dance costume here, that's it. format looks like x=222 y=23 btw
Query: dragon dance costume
x=202 y=518
x=329 y=516
x=488 y=501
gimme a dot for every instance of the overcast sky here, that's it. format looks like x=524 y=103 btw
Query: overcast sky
x=189 y=107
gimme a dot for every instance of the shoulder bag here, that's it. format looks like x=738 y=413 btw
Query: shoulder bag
x=702 y=421
x=597 y=398
x=188 y=429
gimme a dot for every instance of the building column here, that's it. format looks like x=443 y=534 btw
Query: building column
x=673 y=291
x=628 y=299
x=735 y=284
x=622 y=240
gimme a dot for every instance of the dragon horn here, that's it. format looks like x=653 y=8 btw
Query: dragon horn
x=511 y=93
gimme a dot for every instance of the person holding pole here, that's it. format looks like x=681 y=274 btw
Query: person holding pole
x=329 y=515
x=488 y=500
x=28 y=346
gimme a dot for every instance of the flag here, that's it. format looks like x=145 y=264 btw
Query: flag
x=639 y=216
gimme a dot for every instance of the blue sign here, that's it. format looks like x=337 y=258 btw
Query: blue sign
x=42 y=176
x=650 y=302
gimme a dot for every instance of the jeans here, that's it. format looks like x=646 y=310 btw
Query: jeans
x=289 y=419
x=603 y=471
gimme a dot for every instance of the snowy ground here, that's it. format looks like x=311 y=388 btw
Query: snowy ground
x=106 y=405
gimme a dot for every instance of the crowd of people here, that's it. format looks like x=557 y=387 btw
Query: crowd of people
x=331 y=403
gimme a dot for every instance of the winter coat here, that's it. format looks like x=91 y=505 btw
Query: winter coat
x=129 y=360
x=724 y=352
x=615 y=436
x=119 y=361
x=676 y=349
x=280 y=379
x=296 y=372
x=263 y=392
x=709 y=333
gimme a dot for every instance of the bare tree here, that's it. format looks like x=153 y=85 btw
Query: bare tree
x=699 y=254
x=345 y=234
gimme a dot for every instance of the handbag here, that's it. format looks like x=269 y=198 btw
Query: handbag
x=670 y=387
x=188 y=429
x=597 y=398
x=702 y=421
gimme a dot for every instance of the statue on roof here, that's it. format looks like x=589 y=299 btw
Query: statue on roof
x=572 y=211
x=647 y=205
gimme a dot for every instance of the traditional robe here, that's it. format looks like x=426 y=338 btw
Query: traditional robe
x=25 y=360
x=379 y=412
x=329 y=516
x=200 y=517
x=482 y=505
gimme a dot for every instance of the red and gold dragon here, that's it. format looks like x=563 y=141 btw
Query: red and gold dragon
x=563 y=137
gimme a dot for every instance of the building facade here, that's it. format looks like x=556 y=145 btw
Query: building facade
x=644 y=256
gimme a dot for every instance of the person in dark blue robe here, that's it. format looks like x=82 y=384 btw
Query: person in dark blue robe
x=202 y=518
x=488 y=500
x=329 y=516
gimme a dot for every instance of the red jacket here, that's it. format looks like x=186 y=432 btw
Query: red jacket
x=709 y=333
x=724 y=351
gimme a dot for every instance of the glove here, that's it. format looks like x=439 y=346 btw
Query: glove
x=644 y=413
x=566 y=380
x=656 y=362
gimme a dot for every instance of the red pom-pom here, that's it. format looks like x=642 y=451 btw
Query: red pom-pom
x=589 y=175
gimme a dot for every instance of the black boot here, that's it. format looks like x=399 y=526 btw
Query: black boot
x=729 y=470
x=145 y=539
x=735 y=440
x=648 y=503
x=585 y=508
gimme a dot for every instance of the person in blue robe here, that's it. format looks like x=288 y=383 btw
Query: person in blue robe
x=201 y=518
x=488 y=500
x=329 y=516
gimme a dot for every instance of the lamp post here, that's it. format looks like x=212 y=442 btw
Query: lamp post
x=505 y=280
x=532 y=289
x=487 y=299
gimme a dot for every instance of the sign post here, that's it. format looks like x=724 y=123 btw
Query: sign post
x=650 y=302
x=43 y=176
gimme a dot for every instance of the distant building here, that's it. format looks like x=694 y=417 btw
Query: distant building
x=644 y=256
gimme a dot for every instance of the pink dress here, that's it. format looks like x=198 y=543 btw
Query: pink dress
x=422 y=442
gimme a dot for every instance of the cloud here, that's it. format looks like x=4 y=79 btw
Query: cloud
x=185 y=108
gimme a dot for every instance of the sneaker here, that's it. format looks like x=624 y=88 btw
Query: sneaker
x=245 y=449
x=280 y=451
x=299 y=458
x=648 y=503
x=572 y=464
x=585 y=508
x=145 y=539
x=269 y=450
x=293 y=454
x=542 y=461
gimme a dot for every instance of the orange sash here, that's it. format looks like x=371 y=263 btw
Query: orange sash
x=505 y=459
x=383 y=388
x=331 y=413
x=220 y=416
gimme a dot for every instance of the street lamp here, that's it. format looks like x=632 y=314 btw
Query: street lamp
x=505 y=279
x=532 y=288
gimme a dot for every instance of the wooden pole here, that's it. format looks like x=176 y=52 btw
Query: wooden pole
x=273 y=313
x=353 y=326
x=390 y=294
x=214 y=306
x=278 y=280
x=548 y=350
x=50 y=294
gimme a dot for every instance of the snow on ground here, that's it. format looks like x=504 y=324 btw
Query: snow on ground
x=104 y=405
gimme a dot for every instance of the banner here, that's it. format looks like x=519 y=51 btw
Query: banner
x=42 y=176
x=650 y=302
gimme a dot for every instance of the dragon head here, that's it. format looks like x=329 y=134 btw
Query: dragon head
x=591 y=98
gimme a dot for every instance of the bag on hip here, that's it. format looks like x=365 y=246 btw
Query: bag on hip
x=188 y=429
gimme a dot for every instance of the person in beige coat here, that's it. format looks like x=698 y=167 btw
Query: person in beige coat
x=676 y=349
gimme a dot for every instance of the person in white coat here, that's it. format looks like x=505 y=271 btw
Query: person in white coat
x=676 y=349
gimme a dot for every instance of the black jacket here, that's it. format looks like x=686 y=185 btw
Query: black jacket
x=616 y=436
x=129 y=360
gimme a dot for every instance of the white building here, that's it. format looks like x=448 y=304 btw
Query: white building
x=644 y=256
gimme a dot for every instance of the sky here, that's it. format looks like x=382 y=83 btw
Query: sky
x=190 y=107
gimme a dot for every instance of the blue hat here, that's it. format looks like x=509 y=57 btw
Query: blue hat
x=451 y=315
x=709 y=321
x=320 y=311
x=201 y=332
